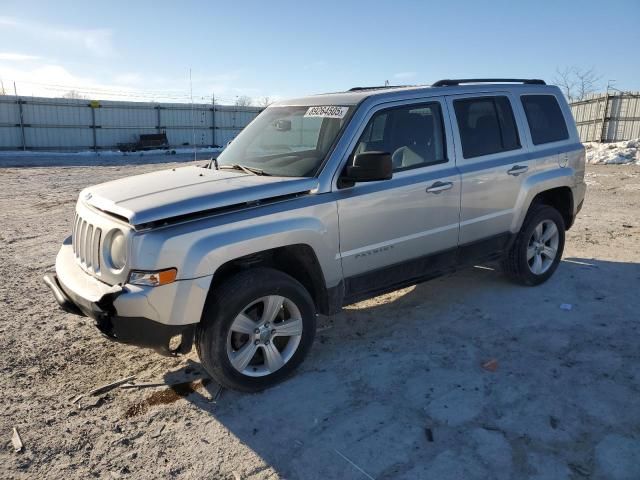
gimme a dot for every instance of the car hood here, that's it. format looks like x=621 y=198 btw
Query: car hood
x=156 y=196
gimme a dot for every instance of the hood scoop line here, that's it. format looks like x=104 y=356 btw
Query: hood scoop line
x=117 y=216
x=217 y=211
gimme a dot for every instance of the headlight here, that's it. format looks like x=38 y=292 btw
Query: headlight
x=117 y=250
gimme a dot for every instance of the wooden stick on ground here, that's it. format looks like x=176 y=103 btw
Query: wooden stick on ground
x=110 y=386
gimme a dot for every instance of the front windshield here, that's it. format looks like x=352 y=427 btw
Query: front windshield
x=287 y=141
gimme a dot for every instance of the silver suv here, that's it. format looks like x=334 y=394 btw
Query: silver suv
x=320 y=202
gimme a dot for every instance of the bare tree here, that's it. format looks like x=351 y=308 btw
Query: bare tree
x=588 y=81
x=243 y=101
x=265 y=101
x=577 y=83
x=73 y=94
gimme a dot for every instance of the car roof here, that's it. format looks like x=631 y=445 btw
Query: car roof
x=389 y=93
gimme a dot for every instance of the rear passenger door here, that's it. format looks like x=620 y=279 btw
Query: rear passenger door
x=493 y=163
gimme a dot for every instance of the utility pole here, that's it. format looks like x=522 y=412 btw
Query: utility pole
x=603 y=130
x=193 y=120
x=21 y=112
x=213 y=119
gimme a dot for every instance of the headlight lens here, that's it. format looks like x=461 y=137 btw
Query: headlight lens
x=117 y=250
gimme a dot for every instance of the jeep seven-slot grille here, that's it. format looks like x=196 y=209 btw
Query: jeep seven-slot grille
x=86 y=244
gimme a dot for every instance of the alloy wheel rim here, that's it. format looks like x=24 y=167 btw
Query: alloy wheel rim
x=542 y=248
x=264 y=336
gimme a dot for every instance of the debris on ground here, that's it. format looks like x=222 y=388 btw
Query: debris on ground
x=218 y=393
x=144 y=385
x=161 y=383
x=580 y=469
x=354 y=465
x=90 y=401
x=158 y=432
x=566 y=306
x=16 y=441
x=429 y=434
x=490 y=365
x=110 y=386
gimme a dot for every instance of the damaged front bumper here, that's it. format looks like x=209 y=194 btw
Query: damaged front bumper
x=79 y=293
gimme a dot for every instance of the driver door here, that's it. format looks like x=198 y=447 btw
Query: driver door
x=398 y=230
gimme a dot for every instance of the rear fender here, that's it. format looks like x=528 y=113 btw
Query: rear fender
x=538 y=183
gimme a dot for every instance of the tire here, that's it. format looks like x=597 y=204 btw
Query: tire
x=223 y=333
x=518 y=264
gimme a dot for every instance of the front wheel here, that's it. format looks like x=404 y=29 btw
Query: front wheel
x=256 y=329
x=537 y=249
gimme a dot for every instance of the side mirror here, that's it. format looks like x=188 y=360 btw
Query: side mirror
x=369 y=167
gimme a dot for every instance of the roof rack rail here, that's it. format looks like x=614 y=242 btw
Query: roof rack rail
x=381 y=87
x=453 y=82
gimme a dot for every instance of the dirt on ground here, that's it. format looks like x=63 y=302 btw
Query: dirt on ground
x=394 y=387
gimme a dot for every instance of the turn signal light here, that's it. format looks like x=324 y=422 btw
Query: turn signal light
x=153 y=279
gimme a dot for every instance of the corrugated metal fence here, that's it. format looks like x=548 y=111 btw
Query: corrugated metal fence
x=608 y=117
x=32 y=123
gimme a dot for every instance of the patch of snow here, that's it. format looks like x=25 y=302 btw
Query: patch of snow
x=617 y=153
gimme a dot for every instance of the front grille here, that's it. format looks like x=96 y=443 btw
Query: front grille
x=86 y=244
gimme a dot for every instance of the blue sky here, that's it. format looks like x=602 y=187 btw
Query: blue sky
x=281 y=49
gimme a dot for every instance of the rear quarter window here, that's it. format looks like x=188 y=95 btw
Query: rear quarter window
x=545 y=119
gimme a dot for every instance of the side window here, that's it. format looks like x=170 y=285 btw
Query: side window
x=377 y=128
x=413 y=135
x=545 y=118
x=486 y=126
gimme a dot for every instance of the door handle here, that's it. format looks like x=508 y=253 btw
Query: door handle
x=439 y=187
x=517 y=170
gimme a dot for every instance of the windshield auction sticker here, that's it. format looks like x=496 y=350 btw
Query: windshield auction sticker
x=328 y=111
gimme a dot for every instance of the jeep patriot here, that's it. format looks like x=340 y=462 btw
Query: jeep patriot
x=321 y=202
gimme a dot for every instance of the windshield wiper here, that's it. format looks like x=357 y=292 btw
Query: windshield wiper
x=245 y=169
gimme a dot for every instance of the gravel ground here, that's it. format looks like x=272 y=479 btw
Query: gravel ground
x=394 y=387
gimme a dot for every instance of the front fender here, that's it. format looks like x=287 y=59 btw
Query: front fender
x=199 y=248
x=251 y=239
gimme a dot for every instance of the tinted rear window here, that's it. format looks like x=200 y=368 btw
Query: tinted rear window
x=486 y=125
x=545 y=118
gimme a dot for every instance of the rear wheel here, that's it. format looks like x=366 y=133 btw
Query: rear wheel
x=256 y=329
x=537 y=249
